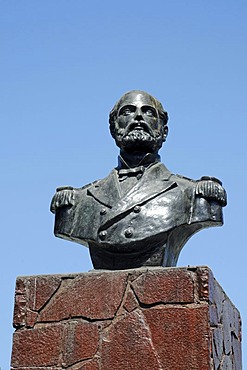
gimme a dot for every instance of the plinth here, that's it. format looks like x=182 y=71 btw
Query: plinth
x=142 y=319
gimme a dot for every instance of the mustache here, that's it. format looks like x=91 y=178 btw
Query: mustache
x=138 y=124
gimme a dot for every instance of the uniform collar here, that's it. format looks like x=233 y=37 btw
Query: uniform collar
x=126 y=160
x=153 y=181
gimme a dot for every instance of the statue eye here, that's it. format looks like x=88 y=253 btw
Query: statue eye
x=150 y=112
x=126 y=111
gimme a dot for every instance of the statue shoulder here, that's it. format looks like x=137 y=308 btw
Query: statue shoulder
x=183 y=179
x=85 y=187
x=68 y=187
x=65 y=196
x=207 y=187
x=203 y=178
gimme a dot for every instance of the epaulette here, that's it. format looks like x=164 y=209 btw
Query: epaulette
x=65 y=187
x=210 y=178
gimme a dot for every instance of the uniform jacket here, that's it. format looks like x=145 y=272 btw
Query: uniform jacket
x=161 y=209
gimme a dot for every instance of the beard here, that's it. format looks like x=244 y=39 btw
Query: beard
x=138 y=141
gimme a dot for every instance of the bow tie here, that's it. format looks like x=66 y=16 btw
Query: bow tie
x=126 y=172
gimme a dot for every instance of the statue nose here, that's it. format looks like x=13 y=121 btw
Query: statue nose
x=138 y=115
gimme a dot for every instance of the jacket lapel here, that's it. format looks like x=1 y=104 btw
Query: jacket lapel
x=106 y=191
x=154 y=182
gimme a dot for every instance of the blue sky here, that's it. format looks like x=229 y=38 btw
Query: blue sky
x=63 y=66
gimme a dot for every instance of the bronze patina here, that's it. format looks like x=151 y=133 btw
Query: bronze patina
x=141 y=214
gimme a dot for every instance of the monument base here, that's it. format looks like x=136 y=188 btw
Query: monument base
x=142 y=319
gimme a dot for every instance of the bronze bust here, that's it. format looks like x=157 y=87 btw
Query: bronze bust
x=140 y=214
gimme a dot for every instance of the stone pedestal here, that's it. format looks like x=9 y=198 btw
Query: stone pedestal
x=143 y=319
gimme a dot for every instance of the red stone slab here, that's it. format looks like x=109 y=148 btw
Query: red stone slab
x=158 y=318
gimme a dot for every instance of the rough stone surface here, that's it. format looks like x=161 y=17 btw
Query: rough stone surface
x=174 y=318
x=80 y=342
x=38 y=347
x=127 y=344
x=182 y=339
x=166 y=286
x=104 y=292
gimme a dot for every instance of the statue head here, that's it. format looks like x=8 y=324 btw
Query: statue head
x=138 y=123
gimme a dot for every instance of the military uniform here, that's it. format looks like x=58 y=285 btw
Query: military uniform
x=141 y=218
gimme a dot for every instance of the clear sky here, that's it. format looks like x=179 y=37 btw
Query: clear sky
x=63 y=66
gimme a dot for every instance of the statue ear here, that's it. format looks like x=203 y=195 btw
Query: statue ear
x=165 y=133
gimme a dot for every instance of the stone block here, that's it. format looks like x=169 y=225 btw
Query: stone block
x=142 y=319
x=38 y=347
x=103 y=291
x=166 y=286
x=80 y=342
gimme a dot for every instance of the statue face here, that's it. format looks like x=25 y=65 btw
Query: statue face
x=138 y=126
